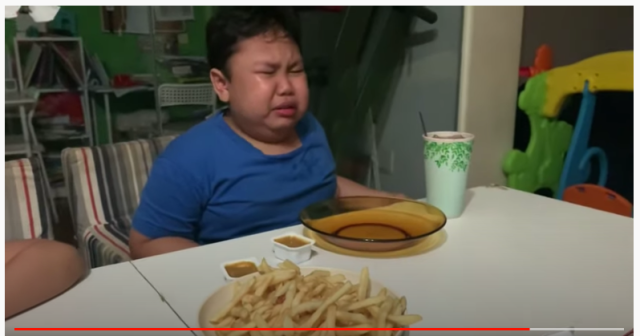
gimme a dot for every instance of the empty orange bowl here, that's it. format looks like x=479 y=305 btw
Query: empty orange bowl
x=373 y=224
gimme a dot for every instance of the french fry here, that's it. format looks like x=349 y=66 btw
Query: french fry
x=284 y=298
x=397 y=307
x=265 y=281
x=239 y=312
x=318 y=290
x=381 y=320
x=366 y=303
x=320 y=273
x=236 y=288
x=276 y=310
x=403 y=305
x=288 y=299
x=333 y=298
x=244 y=290
x=336 y=278
x=259 y=304
x=306 y=307
x=282 y=276
x=323 y=332
x=259 y=312
x=298 y=298
x=289 y=265
x=243 y=332
x=347 y=318
x=261 y=323
x=264 y=267
x=283 y=289
x=348 y=332
x=330 y=321
x=226 y=323
x=287 y=322
x=363 y=288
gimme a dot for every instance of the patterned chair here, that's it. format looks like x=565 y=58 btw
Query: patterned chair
x=28 y=203
x=104 y=185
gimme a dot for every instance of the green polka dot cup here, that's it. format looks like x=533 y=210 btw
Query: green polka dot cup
x=446 y=165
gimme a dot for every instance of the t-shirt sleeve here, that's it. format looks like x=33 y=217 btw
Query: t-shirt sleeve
x=171 y=203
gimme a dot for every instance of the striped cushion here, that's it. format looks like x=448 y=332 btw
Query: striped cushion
x=27 y=204
x=104 y=182
x=106 y=245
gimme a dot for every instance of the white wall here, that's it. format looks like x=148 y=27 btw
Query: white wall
x=576 y=32
x=475 y=92
x=478 y=92
x=489 y=87
x=497 y=40
x=428 y=83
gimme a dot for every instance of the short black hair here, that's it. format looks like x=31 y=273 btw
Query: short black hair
x=232 y=24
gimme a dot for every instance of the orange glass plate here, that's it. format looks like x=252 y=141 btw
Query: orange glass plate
x=373 y=224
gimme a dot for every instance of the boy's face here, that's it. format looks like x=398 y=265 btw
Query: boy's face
x=267 y=87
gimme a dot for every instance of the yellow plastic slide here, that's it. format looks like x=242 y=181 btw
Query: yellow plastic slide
x=606 y=72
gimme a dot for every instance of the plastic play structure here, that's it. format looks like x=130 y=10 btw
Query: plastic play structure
x=558 y=156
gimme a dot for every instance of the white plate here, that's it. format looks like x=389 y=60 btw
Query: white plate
x=222 y=296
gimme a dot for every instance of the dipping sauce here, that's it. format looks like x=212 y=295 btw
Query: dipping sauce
x=292 y=241
x=240 y=269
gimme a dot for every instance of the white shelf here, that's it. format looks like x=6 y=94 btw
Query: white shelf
x=82 y=90
x=49 y=39
x=86 y=133
x=54 y=90
x=19 y=148
x=61 y=138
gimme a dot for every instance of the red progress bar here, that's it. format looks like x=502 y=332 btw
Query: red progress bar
x=292 y=329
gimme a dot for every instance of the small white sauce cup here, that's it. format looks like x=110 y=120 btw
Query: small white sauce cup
x=296 y=255
x=226 y=263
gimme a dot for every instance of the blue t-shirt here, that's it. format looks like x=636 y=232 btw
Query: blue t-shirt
x=211 y=185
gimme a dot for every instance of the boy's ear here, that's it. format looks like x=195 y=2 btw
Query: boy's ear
x=220 y=84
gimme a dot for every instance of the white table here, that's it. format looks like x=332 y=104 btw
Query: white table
x=110 y=297
x=512 y=260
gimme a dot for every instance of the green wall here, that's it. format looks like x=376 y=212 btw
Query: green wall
x=121 y=54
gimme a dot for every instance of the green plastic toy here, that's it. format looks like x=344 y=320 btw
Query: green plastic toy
x=540 y=166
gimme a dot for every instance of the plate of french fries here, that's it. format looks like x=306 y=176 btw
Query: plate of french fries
x=288 y=296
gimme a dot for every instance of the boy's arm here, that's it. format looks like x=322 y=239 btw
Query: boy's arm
x=142 y=246
x=348 y=188
x=170 y=209
x=37 y=270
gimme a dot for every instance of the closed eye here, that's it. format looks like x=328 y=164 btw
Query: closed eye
x=267 y=68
